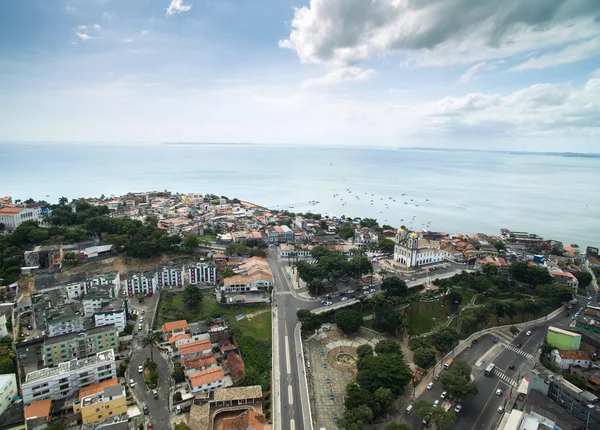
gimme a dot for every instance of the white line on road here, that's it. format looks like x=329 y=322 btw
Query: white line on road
x=290 y=395
x=292 y=424
x=288 y=365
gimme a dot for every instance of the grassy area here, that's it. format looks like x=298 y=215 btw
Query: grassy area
x=481 y=299
x=423 y=318
x=467 y=295
x=259 y=326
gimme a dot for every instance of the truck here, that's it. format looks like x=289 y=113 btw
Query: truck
x=448 y=363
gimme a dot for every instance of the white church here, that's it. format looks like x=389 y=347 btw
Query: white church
x=411 y=250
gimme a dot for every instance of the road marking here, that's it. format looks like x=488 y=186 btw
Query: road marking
x=485 y=406
x=290 y=395
x=288 y=364
x=519 y=351
x=292 y=424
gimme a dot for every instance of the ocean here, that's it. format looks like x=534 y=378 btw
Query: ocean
x=555 y=196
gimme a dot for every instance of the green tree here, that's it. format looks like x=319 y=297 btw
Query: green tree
x=177 y=397
x=514 y=330
x=396 y=426
x=424 y=357
x=192 y=296
x=443 y=340
x=6 y=365
x=584 y=278
x=150 y=340
x=443 y=419
x=349 y=321
x=346 y=231
x=394 y=286
x=227 y=273
x=191 y=242
x=387 y=371
x=368 y=222
x=364 y=351
x=310 y=322
x=457 y=382
x=63 y=201
x=178 y=375
x=387 y=245
x=499 y=245
x=455 y=299
x=575 y=379
x=57 y=426
x=388 y=346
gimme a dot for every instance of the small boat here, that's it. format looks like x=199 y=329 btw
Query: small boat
x=426 y=200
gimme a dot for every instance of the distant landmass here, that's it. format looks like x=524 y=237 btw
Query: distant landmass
x=554 y=154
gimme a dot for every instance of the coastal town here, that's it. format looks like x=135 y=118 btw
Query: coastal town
x=161 y=310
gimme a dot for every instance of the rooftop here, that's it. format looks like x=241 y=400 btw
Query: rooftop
x=38 y=409
x=573 y=355
x=94 y=389
x=72 y=336
x=69 y=366
x=206 y=376
x=246 y=420
x=199 y=362
x=561 y=331
x=192 y=347
x=237 y=393
x=10 y=210
x=174 y=325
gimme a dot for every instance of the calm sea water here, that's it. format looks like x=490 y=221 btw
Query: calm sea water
x=459 y=191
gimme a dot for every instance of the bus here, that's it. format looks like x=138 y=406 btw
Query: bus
x=448 y=363
x=490 y=369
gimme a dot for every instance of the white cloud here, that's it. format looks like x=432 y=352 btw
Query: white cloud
x=144 y=33
x=71 y=9
x=474 y=71
x=347 y=74
x=83 y=36
x=97 y=27
x=83 y=27
x=435 y=32
x=570 y=54
x=130 y=40
x=177 y=6
x=110 y=16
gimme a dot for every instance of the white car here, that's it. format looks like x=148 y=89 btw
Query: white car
x=436 y=403
x=500 y=409
x=430 y=386
x=499 y=392
x=458 y=408
x=372 y=290
x=365 y=292
x=528 y=333
x=350 y=292
x=444 y=394
x=131 y=383
x=140 y=369
x=343 y=299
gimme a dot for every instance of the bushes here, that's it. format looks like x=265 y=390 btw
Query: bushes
x=177 y=397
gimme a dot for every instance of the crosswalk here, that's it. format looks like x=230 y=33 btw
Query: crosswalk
x=519 y=351
x=510 y=381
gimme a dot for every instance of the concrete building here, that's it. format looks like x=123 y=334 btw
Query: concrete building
x=581 y=404
x=566 y=359
x=62 y=319
x=67 y=378
x=566 y=278
x=13 y=216
x=38 y=414
x=412 y=251
x=142 y=283
x=3 y=329
x=170 y=277
x=78 y=289
x=204 y=272
x=288 y=234
x=206 y=380
x=195 y=349
x=60 y=349
x=563 y=339
x=100 y=401
x=113 y=311
x=255 y=283
x=8 y=390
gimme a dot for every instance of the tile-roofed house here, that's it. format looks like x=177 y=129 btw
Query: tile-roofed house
x=194 y=349
x=175 y=341
x=236 y=367
x=196 y=364
x=174 y=328
x=38 y=412
x=206 y=380
x=566 y=358
x=565 y=278
x=247 y=420
x=233 y=396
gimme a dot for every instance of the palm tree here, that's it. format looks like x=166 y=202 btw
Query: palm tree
x=150 y=340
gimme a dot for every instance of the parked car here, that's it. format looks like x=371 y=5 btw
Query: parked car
x=350 y=291
x=436 y=403
x=343 y=299
x=372 y=290
x=150 y=427
x=430 y=386
x=444 y=394
x=496 y=340
x=131 y=383
x=474 y=341
x=155 y=393
x=352 y=296
x=140 y=369
x=500 y=409
x=499 y=392
x=146 y=411
x=29 y=327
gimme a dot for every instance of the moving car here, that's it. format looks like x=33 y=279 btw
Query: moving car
x=474 y=341
x=500 y=409
x=155 y=393
x=150 y=427
x=496 y=340
x=511 y=367
x=343 y=299
x=146 y=411
x=528 y=333
x=131 y=383
x=499 y=392
x=457 y=408
x=430 y=386
x=140 y=369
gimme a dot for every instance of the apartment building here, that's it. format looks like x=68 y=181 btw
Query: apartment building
x=60 y=349
x=113 y=311
x=202 y=272
x=170 y=277
x=112 y=280
x=142 y=283
x=67 y=378
x=63 y=319
x=207 y=380
x=100 y=401
x=13 y=216
x=8 y=390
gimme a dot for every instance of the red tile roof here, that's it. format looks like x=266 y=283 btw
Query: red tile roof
x=236 y=367
x=206 y=376
x=246 y=420
x=174 y=325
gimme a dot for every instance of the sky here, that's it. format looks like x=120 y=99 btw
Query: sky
x=510 y=74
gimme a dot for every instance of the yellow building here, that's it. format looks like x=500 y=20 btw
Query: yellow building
x=101 y=401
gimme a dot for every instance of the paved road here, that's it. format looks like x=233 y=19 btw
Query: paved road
x=480 y=412
x=294 y=406
x=158 y=408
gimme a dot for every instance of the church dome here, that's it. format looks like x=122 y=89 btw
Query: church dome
x=414 y=235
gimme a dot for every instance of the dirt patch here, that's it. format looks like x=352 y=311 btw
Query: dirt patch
x=333 y=361
x=257 y=313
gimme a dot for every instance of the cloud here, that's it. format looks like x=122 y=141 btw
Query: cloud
x=348 y=74
x=144 y=33
x=110 y=16
x=83 y=27
x=129 y=40
x=435 y=32
x=570 y=54
x=71 y=9
x=97 y=27
x=83 y=36
x=177 y=6
x=473 y=72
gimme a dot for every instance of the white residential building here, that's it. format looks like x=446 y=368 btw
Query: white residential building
x=142 y=283
x=8 y=390
x=13 y=216
x=565 y=358
x=114 y=312
x=78 y=289
x=170 y=277
x=412 y=251
x=67 y=378
x=202 y=272
x=3 y=329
